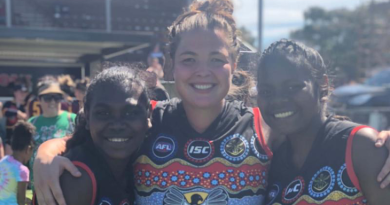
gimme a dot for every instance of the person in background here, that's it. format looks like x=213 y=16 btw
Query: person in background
x=32 y=103
x=67 y=86
x=80 y=90
x=14 y=176
x=155 y=66
x=156 y=90
x=241 y=91
x=53 y=122
x=14 y=110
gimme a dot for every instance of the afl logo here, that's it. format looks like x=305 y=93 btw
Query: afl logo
x=199 y=150
x=164 y=147
x=293 y=191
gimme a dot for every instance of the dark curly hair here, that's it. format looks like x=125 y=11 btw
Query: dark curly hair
x=22 y=136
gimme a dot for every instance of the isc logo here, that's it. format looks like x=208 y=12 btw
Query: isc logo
x=198 y=150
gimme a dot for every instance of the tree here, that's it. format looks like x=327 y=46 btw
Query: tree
x=246 y=36
x=352 y=40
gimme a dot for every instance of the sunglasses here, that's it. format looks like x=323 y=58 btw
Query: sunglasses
x=49 y=98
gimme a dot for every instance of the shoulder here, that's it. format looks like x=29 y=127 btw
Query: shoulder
x=24 y=173
x=32 y=119
x=84 y=186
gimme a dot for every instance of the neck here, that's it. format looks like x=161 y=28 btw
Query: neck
x=201 y=118
x=52 y=114
x=302 y=141
x=118 y=168
x=19 y=157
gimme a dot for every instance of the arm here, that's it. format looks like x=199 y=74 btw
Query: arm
x=81 y=185
x=48 y=167
x=21 y=115
x=21 y=195
x=384 y=176
x=367 y=162
x=1 y=149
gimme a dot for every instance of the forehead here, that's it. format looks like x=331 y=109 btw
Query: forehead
x=282 y=71
x=202 y=41
x=116 y=94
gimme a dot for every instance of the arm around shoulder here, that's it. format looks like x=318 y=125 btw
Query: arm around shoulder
x=80 y=190
x=367 y=163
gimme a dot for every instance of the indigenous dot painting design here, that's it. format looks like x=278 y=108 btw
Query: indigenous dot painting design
x=322 y=183
x=255 y=150
x=234 y=148
x=293 y=191
x=217 y=172
x=341 y=176
x=199 y=150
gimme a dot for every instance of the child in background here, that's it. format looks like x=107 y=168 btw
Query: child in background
x=14 y=176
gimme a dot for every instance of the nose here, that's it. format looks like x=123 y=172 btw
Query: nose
x=279 y=98
x=203 y=70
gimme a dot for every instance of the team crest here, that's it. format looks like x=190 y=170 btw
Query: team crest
x=164 y=147
x=322 y=182
x=344 y=181
x=235 y=147
x=273 y=193
x=199 y=150
x=105 y=201
x=125 y=202
x=175 y=197
x=256 y=149
x=293 y=191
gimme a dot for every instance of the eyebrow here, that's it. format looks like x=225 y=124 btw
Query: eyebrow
x=188 y=53
x=217 y=53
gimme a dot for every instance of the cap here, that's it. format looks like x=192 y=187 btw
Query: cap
x=50 y=88
x=21 y=87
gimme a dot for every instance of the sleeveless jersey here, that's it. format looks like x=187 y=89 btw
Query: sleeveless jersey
x=223 y=165
x=105 y=188
x=327 y=176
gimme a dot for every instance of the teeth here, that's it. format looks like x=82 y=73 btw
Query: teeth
x=118 y=139
x=203 y=87
x=283 y=114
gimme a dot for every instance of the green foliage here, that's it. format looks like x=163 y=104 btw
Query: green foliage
x=351 y=40
x=246 y=35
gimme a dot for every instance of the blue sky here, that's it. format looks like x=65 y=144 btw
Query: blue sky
x=282 y=16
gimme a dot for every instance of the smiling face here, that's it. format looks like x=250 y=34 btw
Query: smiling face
x=118 y=120
x=287 y=97
x=203 y=68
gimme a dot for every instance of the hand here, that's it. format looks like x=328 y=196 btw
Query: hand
x=384 y=177
x=47 y=171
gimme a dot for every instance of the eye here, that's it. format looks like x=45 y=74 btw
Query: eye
x=132 y=112
x=188 y=61
x=218 y=61
x=102 y=113
x=295 y=88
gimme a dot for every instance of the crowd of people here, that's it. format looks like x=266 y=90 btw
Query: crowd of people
x=211 y=146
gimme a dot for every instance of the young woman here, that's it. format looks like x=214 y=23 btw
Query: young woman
x=14 y=176
x=201 y=148
x=324 y=160
x=113 y=128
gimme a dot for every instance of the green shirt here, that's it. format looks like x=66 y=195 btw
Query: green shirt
x=49 y=128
